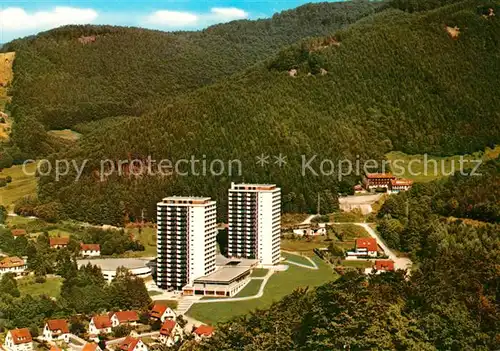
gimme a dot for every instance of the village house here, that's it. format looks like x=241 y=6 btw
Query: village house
x=58 y=243
x=365 y=247
x=16 y=233
x=124 y=317
x=90 y=250
x=56 y=329
x=13 y=265
x=374 y=181
x=203 y=332
x=170 y=333
x=91 y=347
x=133 y=344
x=18 y=340
x=55 y=348
x=100 y=325
x=162 y=313
x=381 y=266
x=398 y=185
x=384 y=265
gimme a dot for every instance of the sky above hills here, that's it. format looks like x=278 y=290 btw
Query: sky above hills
x=20 y=18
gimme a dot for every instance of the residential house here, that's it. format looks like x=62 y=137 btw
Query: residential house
x=162 y=313
x=91 y=347
x=100 y=325
x=14 y=265
x=373 y=181
x=381 y=266
x=90 y=250
x=124 y=317
x=58 y=243
x=365 y=247
x=56 y=329
x=384 y=265
x=18 y=340
x=398 y=185
x=170 y=333
x=16 y=233
x=133 y=344
x=203 y=332
x=55 y=348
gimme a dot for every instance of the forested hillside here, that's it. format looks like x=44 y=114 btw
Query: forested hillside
x=394 y=81
x=450 y=303
x=78 y=74
x=406 y=218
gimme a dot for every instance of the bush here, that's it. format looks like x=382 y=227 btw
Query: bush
x=8 y=179
x=3 y=182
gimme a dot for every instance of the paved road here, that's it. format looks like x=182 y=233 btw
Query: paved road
x=308 y=220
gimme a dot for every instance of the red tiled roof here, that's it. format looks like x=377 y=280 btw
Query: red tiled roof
x=58 y=325
x=90 y=347
x=167 y=327
x=402 y=182
x=59 y=242
x=102 y=322
x=204 y=330
x=18 y=232
x=11 y=262
x=126 y=316
x=380 y=176
x=21 y=336
x=90 y=247
x=158 y=311
x=367 y=243
x=384 y=265
x=129 y=343
x=55 y=348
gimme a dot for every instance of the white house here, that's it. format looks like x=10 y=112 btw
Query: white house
x=100 y=325
x=56 y=329
x=203 y=332
x=162 y=313
x=133 y=344
x=90 y=250
x=14 y=265
x=365 y=247
x=170 y=333
x=124 y=317
x=18 y=340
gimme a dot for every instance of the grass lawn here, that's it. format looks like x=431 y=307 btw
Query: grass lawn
x=445 y=164
x=51 y=287
x=252 y=288
x=259 y=272
x=66 y=134
x=154 y=293
x=357 y=264
x=279 y=285
x=21 y=185
x=58 y=233
x=147 y=238
x=351 y=231
x=303 y=245
x=346 y=217
x=296 y=258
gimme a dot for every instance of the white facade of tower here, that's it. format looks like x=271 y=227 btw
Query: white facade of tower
x=254 y=217
x=186 y=240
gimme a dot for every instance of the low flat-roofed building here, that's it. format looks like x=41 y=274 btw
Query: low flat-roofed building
x=231 y=276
